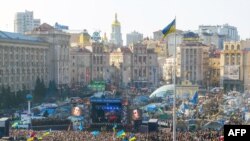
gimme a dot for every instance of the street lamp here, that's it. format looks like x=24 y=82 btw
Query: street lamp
x=154 y=70
x=29 y=98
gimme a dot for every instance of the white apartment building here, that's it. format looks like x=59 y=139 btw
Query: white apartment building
x=25 y=22
x=216 y=35
x=134 y=37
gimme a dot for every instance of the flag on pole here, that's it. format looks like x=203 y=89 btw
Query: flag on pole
x=170 y=28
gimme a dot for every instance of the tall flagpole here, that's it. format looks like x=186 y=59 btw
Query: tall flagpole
x=174 y=82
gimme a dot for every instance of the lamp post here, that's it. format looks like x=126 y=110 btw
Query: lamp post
x=154 y=70
x=29 y=98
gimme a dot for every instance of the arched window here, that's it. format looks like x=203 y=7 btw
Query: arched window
x=232 y=47
x=226 y=47
x=238 y=47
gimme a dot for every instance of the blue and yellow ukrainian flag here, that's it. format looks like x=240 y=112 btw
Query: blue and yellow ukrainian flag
x=169 y=29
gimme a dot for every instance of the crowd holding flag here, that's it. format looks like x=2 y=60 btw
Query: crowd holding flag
x=194 y=100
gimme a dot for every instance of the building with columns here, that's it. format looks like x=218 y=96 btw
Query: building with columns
x=58 y=56
x=192 y=60
x=116 y=35
x=23 y=59
x=234 y=66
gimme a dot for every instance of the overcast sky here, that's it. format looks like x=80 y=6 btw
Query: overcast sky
x=144 y=16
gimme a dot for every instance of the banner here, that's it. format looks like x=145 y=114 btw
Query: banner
x=232 y=72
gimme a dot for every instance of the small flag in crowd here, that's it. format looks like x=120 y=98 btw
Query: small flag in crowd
x=95 y=133
x=120 y=134
x=132 y=137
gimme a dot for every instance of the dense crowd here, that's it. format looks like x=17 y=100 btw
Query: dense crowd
x=207 y=135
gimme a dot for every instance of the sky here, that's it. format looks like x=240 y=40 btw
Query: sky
x=144 y=16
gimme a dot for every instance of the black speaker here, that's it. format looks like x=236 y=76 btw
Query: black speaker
x=143 y=129
x=4 y=127
x=153 y=125
x=137 y=124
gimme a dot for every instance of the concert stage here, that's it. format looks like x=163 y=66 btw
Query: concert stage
x=105 y=111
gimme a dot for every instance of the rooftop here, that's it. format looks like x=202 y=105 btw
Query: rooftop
x=18 y=36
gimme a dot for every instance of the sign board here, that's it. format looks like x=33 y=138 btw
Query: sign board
x=59 y=26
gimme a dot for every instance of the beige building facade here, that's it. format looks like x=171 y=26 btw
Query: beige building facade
x=192 y=62
x=144 y=65
x=80 y=67
x=120 y=66
x=100 y=62
x=58 y=56
x=23 y=59
x=234 y=66
x=214 y=72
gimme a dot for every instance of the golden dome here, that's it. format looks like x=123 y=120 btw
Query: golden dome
x=116 y=22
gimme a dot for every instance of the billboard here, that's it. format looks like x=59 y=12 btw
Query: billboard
x=136 y=114
x=232 y=72
x=76 y=111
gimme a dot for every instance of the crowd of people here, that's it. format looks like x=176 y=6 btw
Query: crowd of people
x=207 y=135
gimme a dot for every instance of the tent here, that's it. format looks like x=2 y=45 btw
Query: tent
x=213 y=125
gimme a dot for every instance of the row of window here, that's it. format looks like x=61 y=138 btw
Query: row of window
x=20 y=79
x=232 y=47
x=21 y=50
x=12 y=71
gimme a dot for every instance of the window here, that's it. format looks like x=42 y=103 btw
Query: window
x=135 y=72
x=144 y=59
x=226 y=47
x=238 y=47
x=232 y=47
